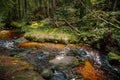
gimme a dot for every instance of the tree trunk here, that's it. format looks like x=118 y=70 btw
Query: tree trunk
x=53 y=11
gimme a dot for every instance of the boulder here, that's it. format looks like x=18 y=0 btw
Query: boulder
x=64 y=62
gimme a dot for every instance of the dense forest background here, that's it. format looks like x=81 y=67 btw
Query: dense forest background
x=18 y=10
x=59 y=39
x=95 y=22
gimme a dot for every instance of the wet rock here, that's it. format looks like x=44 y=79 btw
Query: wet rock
x=36 y=57
x=47 y=73
x=21 y=40
x=15 y=69
x=64 y=62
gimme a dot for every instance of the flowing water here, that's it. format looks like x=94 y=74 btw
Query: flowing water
x=93 y=65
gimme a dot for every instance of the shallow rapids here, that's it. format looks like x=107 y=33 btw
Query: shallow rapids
x=61 y=62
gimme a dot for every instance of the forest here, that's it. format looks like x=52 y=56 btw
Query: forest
x=60 y=40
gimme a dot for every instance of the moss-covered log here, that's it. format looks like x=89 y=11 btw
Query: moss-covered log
x=41 y=33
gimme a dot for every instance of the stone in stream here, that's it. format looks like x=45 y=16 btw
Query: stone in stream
x=62 y=62
x=16 y=69
x=47 y=73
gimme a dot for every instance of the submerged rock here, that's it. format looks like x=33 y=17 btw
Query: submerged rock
x=47 y=73
x=15 y=69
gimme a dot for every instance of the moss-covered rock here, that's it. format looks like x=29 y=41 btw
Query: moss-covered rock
x=1 y=26
x=50 y=34
x=47 y=73
x=15 y=69
x=64 y=62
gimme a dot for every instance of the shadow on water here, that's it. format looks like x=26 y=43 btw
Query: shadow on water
x=93 y=65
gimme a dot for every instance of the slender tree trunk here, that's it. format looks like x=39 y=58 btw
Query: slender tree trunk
x=25 y=3
x=22 y=8
x=48 y=8
x=19 y=11
x=115 y=5
x=53 y=10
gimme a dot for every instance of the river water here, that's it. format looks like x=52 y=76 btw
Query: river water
x=93 y=65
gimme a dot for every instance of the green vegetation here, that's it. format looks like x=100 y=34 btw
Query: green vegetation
x=45 y=33
x=92 y=22
x=16 y=69
x=65 y=21
x=114 y=56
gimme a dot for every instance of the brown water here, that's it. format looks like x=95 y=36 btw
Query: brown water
x=7 y=34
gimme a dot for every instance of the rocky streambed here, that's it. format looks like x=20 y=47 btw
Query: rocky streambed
x=50 y=61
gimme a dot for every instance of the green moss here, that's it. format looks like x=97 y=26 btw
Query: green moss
x=47 y=73
x=1 y=26
x=65 y=62
x=26 y=75
x=113 y=56
x=18 y=24
x=50 y=34
x=74 y=63
x=16 y=69
x=47 y=33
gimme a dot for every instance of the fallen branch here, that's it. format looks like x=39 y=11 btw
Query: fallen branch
x=108 y=22
x=116 y=21
x=100 y=17
x=70 y=26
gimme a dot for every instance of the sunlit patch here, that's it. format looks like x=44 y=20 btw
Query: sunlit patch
x=34 y=25
x=59 y=57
